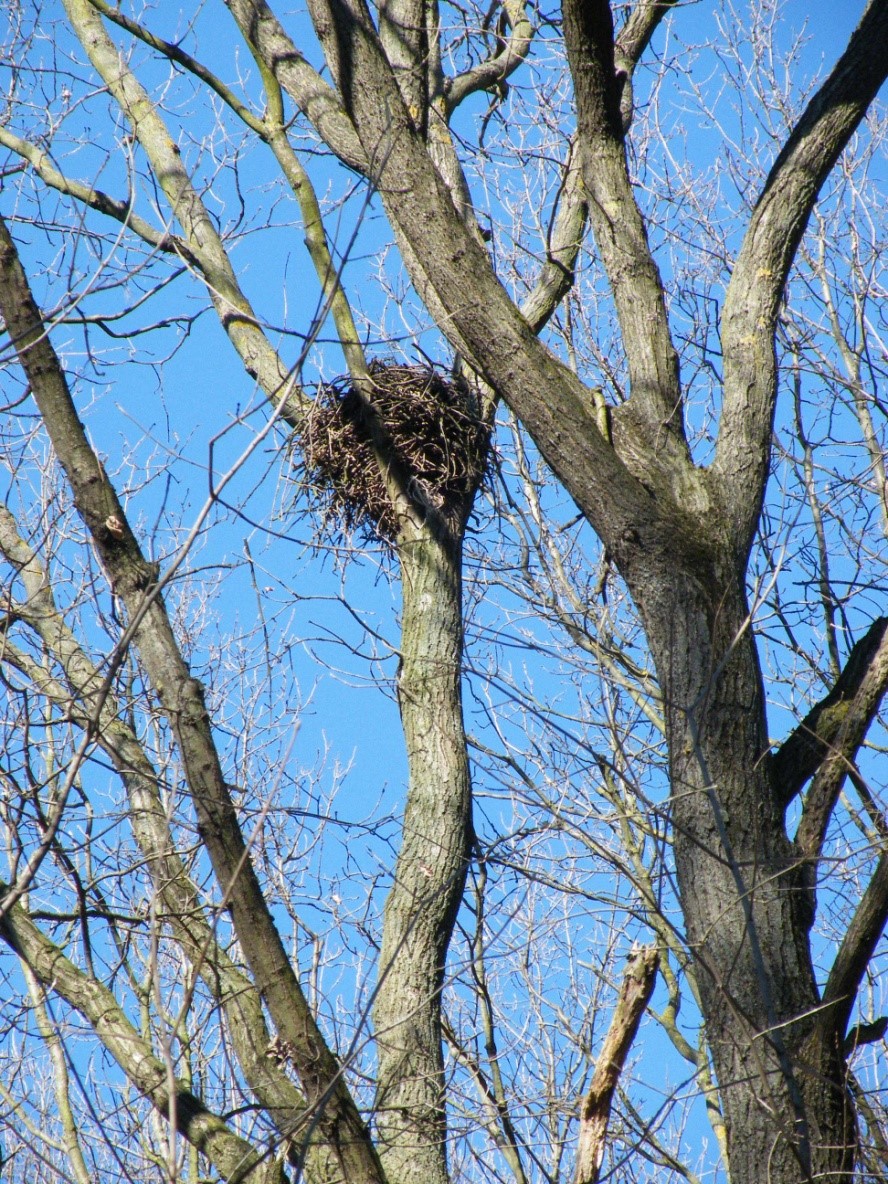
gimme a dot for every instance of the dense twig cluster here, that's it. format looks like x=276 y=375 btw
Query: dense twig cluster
x=425 y=428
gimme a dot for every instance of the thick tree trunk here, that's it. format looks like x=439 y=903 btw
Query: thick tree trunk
x=430 y=874
x=747 y=897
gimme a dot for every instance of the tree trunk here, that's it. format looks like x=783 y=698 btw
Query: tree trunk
x=430 y=874
x=746 y=895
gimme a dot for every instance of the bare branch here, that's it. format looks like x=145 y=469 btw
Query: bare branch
x=636 y=989
x=857 y=948
x=182 y=697
x=655 y=400
x=176 y=54
x=633 y=39
x=853 y=702
x=492 y=73
x=91 y=704
x=862 y=1034
x=95 y=199
x=641 y=24
x=838 y=763
x=233 y=309
x=61 y=1077
x=557 y=273
x=314 y=97
x=404 y=33
x=235 y=1158
x=270 y=129
x=769 y=248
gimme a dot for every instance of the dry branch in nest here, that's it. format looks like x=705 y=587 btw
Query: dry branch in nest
x=433 y=441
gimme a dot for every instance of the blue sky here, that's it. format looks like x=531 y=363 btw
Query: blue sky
x=323 y=688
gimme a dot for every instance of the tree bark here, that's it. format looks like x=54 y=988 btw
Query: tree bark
x=747 y=902
x=430 y=874
x=680 y=537
x=635 y=994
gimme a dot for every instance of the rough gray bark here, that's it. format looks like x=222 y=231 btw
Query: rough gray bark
x=680 y=537
x=430 y=873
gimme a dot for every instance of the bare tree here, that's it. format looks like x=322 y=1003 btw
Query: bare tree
x=722 y=439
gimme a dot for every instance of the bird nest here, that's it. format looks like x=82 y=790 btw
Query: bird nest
x=430 y=437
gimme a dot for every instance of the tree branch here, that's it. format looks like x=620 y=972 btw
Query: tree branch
x=176 y=54
x=769 y=247
x=405 y=35
x=492 y=73
x=862 y=1034
x=52 y=1039
x=315 y=98
x=633 y=39
x=134 y=580
x=641 y=24
x=452 y=273
x=856 y=950
x=89 y=704
x=620 y=233
x=838 y=762
x=635 y=993
x=95 y=199
x=271 y=130
x=234 y=1158
x=233 y=308
x=851 y=704
x=557 y=273
x=497 y=1120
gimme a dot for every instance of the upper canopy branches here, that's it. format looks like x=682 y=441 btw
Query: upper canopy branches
x=631 y=773
x=762 y=267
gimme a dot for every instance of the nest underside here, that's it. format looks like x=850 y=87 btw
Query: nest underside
x=432 y=440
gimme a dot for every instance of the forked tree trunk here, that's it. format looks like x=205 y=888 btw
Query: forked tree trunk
x=680 y=535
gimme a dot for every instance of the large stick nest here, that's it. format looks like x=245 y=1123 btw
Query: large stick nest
x=432 y=440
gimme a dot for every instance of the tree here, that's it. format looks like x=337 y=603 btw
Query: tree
x=197 y=993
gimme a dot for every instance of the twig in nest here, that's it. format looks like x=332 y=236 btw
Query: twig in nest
x=436 y=443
